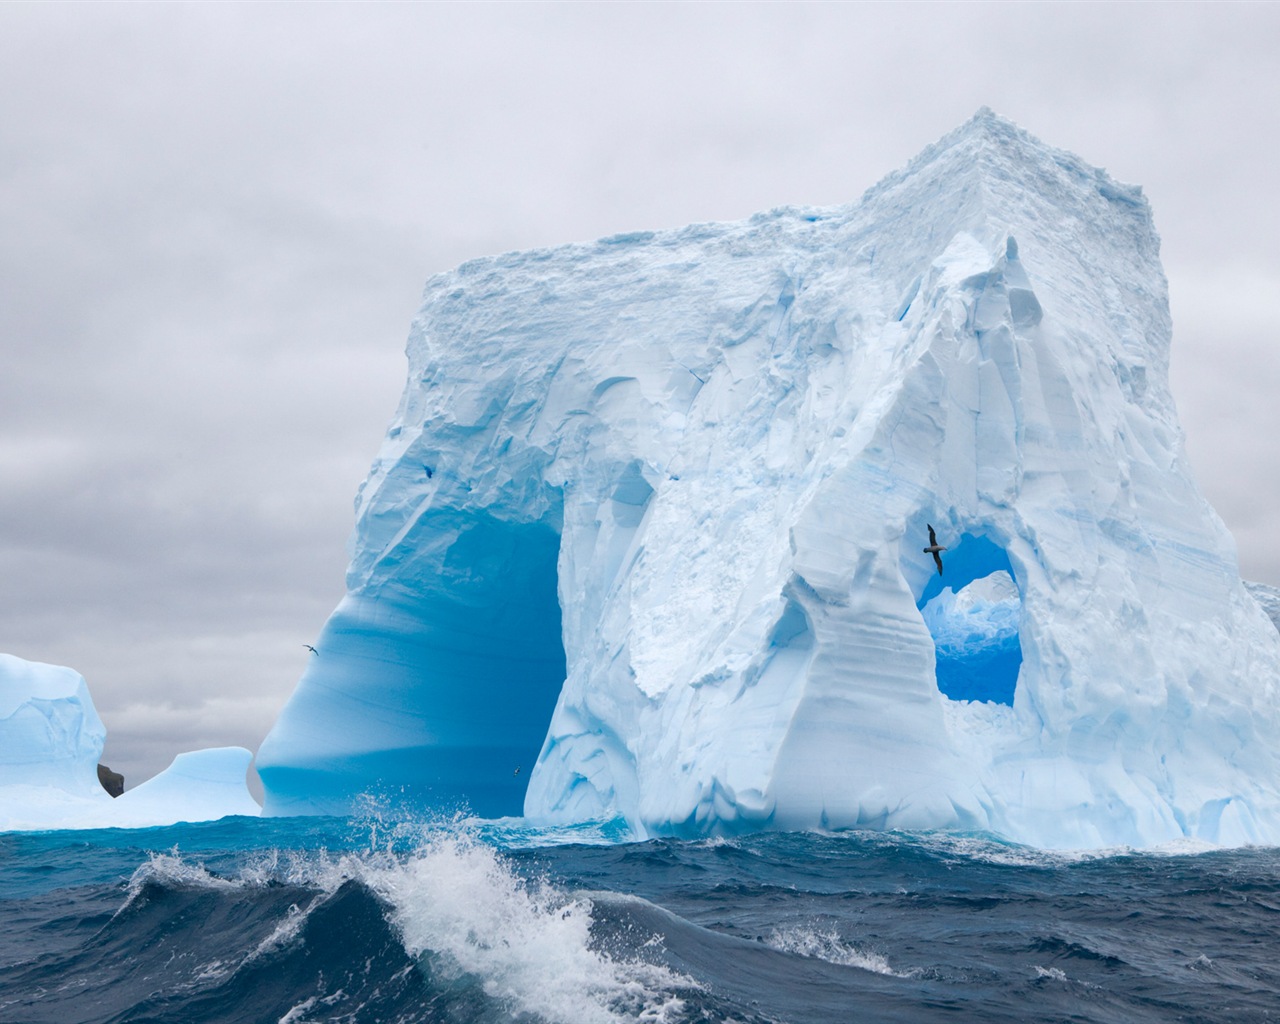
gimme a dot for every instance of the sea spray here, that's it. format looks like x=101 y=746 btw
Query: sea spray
x=458 y=903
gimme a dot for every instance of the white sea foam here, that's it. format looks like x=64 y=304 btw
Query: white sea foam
x=298 y=1013
x=825 y=943
x=1005 y=854
x=212 y=971
x=172 y=869
x=458 y=903
x=520 y=834
x=991 y=850
x=285 y=931
x=1000 y=852
x=1187 y=847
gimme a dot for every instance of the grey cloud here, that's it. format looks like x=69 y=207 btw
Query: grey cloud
x=215 y=221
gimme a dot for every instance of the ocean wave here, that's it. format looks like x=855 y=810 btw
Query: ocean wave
x=495 y=923
x=460 y=907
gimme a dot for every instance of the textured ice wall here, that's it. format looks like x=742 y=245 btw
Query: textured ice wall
x=729 y=439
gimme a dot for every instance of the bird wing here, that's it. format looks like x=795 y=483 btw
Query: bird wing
x=937 y=558
x=933 y=538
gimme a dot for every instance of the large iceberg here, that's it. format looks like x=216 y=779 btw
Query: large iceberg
x=644 y=540
x=51 y=741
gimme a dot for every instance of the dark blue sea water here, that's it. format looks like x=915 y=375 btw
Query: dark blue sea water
x=308 y=920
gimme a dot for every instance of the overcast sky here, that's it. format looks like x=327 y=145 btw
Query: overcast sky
x=216 y=221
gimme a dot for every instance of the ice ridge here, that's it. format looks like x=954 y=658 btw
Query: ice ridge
x=644 y=538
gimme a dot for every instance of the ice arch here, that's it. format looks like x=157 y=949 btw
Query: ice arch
x=973 y=612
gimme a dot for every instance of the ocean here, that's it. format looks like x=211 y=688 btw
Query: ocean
x=299 y=920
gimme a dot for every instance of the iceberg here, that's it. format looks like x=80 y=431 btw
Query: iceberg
x=51 y=741
x=644 y=540
x=200 y=785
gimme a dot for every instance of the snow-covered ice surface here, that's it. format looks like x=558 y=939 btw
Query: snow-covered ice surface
x=646 y=532
x=51 y=740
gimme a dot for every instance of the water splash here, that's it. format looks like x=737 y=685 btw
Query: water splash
x=826 y=944
x=459 y=904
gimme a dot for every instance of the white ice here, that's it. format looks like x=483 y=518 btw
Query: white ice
x=644 y=539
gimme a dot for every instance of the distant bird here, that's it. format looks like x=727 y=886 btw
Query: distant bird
x=517 y=771
x=312 y=650
x=430 y=472
x=935 y=549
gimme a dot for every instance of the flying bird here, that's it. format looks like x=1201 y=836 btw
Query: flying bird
x=312 y=650
x=935 y=549
x=517 y=771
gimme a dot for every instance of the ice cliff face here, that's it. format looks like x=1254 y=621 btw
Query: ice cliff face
x=645 y=535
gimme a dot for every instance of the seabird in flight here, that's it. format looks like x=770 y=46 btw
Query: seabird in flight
x=935 y=549
x=312 y=650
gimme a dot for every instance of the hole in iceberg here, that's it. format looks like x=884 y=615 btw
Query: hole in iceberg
x=972 y=612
